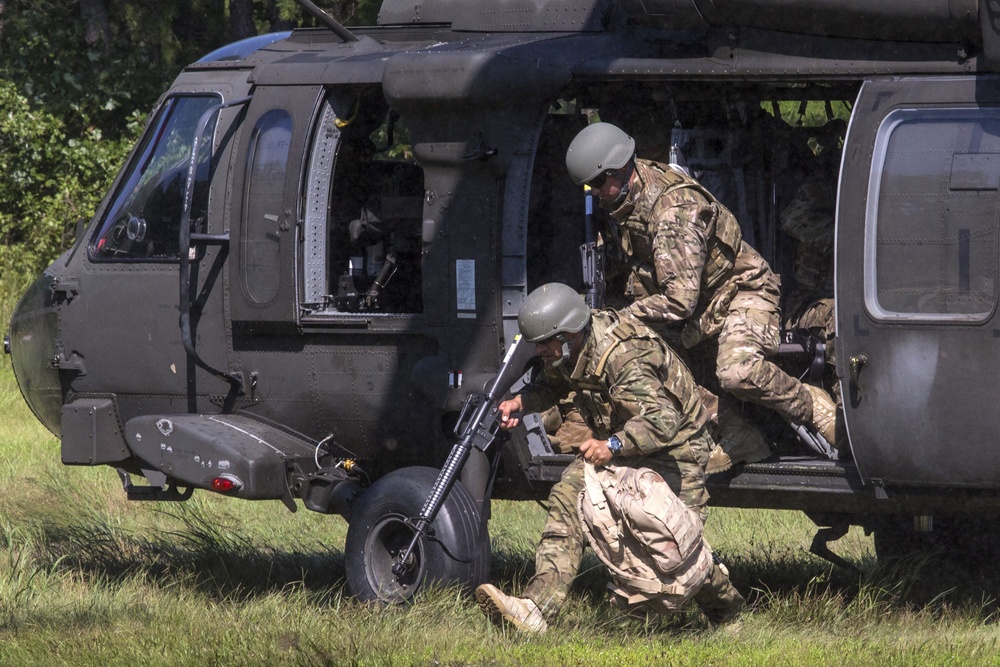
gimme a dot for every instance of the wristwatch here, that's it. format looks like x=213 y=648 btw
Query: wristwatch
x=615 y=445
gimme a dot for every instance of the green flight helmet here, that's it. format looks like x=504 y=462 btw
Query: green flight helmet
x=596 y=148
x=550 y=310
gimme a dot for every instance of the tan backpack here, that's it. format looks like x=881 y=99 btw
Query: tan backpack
x=651 y=542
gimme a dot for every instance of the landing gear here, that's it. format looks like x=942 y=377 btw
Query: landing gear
x=456 y=550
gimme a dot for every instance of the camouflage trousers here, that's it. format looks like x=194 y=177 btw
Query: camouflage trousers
x=750 y=333
x=818 y=316
x=560 y=550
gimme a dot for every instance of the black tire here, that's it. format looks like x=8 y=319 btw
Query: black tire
x=457 y=552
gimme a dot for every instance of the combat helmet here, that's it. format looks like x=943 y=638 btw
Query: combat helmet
x=596 y=148
x=550 y=310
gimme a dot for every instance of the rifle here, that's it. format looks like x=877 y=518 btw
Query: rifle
x=477 y=431
x=591 y=256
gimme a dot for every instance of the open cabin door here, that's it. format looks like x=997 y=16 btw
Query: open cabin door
x=265 y=209
x=918 y=346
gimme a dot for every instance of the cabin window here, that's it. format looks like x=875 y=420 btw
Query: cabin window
x=931 y=245
x=142 y=222
x=267 y=165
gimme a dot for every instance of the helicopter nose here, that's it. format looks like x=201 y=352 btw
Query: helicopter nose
x=31 y=345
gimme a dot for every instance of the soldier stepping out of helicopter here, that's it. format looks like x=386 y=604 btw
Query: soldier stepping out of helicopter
x=690 y=266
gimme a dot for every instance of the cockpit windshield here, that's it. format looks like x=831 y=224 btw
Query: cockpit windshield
x=143 y=221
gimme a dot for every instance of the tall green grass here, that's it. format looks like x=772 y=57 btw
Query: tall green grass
x=87 y=578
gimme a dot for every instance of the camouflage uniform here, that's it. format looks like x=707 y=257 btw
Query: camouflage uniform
x=627 y=382
x=565 y=427
x=809 y=220
x=690 y=264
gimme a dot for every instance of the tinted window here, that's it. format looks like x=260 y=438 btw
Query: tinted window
x=143 y=221
x=267 y=166
x=933 y=245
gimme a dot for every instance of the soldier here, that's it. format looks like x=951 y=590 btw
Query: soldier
x=809 y=220
x=643 y=407
x=689 y=264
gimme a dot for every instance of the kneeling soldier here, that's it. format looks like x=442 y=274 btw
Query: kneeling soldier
x=641 y=403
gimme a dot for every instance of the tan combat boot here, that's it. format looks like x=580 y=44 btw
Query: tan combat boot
x=718 y=461
x=499 y=607
x=824 y=419
x=741 y=441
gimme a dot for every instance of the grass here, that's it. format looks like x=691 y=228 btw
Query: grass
x=87 y=578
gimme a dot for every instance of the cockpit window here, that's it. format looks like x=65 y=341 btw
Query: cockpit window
x=143 y=221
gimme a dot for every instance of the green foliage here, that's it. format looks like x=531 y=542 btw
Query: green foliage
x=49 y=178
x=72 y=95
x=89 y=79
x=348 y=12
x=811 y=113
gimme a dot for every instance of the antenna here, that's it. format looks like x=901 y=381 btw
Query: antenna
x=328 y=21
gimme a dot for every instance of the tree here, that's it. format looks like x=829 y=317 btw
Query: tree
x=48 y=180
x=241 y=23
x=76 y=80
x=98 y=27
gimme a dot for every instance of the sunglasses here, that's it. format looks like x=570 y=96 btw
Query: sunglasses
x=598 y=181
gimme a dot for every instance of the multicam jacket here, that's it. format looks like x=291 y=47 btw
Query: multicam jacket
x=809 y=220
x=627 y=382
x=687 y=255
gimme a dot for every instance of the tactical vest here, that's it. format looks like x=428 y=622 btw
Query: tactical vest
x=809 y=220
x=592 y=397
x=723 y=230
x=652 y=543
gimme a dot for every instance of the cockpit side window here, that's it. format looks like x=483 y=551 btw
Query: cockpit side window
x=143 y=221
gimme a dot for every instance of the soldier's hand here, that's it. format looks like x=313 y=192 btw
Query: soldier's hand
x=507 y=410
x=595 y=451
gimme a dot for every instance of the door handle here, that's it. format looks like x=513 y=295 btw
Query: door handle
x=857 y=363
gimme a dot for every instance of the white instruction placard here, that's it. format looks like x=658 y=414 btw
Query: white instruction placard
x=465 y=285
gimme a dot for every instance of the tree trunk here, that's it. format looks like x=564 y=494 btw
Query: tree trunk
x=241 y=23
x=277 y=23
x=95 y=14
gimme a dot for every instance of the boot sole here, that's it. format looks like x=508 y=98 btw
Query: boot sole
x=496 y=611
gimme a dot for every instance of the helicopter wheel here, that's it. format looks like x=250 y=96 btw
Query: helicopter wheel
x=456 y=551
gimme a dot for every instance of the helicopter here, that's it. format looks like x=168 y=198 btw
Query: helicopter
x=304 y=283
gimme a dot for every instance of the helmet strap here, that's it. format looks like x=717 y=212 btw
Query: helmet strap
x=565 y=351
x=569 y=340
x=627 y=172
